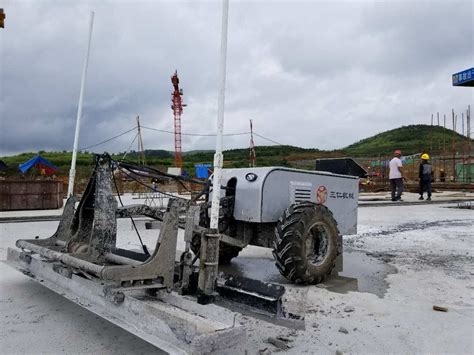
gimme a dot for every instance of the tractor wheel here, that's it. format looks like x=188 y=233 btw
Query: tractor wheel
x=305 y=244
x=226 y=252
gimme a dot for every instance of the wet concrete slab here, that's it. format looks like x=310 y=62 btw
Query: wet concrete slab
x=431 y=246
x=361 y=272
x=262 y=269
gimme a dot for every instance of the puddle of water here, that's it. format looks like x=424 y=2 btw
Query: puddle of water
x=363 y=273
x=360 y=273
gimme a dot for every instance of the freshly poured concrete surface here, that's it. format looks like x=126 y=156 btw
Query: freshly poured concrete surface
x=35 y=320
x=413 y=257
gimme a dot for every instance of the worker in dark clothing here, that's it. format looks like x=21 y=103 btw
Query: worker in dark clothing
x=425 y=176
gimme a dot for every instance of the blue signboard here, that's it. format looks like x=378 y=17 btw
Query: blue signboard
x=464 y=78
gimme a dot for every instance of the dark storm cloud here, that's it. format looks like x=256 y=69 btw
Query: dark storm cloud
x=313 y=74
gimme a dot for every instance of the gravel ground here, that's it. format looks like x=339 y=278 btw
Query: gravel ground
x=416 y=256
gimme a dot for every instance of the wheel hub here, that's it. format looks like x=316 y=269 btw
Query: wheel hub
x=316 y=243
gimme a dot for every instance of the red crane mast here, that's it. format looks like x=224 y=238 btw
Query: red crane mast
x=177 y=107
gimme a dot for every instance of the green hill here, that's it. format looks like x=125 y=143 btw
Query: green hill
x=266 y=155
x=409 y=139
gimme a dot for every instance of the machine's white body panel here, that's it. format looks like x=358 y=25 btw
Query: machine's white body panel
x=275 y=188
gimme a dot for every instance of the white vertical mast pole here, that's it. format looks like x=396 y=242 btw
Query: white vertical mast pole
x=72 y=172
x=218 y=157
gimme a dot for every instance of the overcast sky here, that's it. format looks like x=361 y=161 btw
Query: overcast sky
x=319 y=74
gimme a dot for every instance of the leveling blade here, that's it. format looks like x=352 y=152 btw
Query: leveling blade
x=173 y=323
x=259 y=299
x=268 y=301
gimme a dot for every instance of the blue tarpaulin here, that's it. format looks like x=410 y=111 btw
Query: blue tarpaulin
x=202 y=171
x=3 y=166
x=39 y=163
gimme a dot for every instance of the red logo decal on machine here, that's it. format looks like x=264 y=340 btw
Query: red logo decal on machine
x=321 y=194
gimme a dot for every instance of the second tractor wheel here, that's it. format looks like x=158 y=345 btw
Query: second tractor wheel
x=305 y=244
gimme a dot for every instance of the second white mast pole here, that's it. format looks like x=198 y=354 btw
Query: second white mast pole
x=218 y=157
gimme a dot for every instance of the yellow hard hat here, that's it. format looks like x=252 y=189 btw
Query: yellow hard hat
x=425 y=157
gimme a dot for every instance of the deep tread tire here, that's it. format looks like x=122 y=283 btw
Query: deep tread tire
x=226 y=252
x=292 y=235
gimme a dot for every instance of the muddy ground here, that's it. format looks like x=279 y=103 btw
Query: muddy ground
x=404 y=260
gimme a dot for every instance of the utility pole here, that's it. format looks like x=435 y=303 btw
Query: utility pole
x=72 y=172
x=252 y=154
x=463 y=149
x=439 y=143
x=444 y=143
x=468 y=127
x=444 y=134
x=431 y=135
x=453 y=147
x=141 y=148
